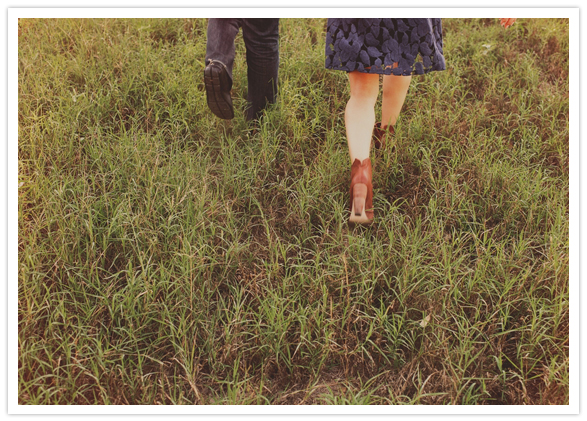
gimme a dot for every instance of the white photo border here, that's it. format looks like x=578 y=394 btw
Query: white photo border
x=152 y=12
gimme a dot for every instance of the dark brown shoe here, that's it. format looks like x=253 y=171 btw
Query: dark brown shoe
x=218 y=86
x=380 y=134
x=361 y=192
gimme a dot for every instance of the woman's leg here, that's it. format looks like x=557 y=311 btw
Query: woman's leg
x=359 y=120
x=360 y=113
x=395 y=89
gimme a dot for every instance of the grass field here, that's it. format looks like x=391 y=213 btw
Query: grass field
x=169 y=257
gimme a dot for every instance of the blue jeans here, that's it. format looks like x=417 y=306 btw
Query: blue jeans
x=261 y=38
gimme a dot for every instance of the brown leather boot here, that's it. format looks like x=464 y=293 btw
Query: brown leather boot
x=380 y=133
x=361 y=192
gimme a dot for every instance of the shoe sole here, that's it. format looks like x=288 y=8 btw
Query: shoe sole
x=217 y=83
x=358 y=211
x=361 y=218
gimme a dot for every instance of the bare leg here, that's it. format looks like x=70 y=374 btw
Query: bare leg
x=360 y=113
x=395 y=89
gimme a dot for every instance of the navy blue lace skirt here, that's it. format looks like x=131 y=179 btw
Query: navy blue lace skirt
x=385 y=46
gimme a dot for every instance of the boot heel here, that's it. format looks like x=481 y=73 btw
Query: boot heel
x=358 y=214
x=361 y=192
x=359 y=197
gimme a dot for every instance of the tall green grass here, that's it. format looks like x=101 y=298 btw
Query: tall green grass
x=169 y=257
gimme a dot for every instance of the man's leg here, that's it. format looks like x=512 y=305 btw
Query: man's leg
x=219 y=61
x=261 y=38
